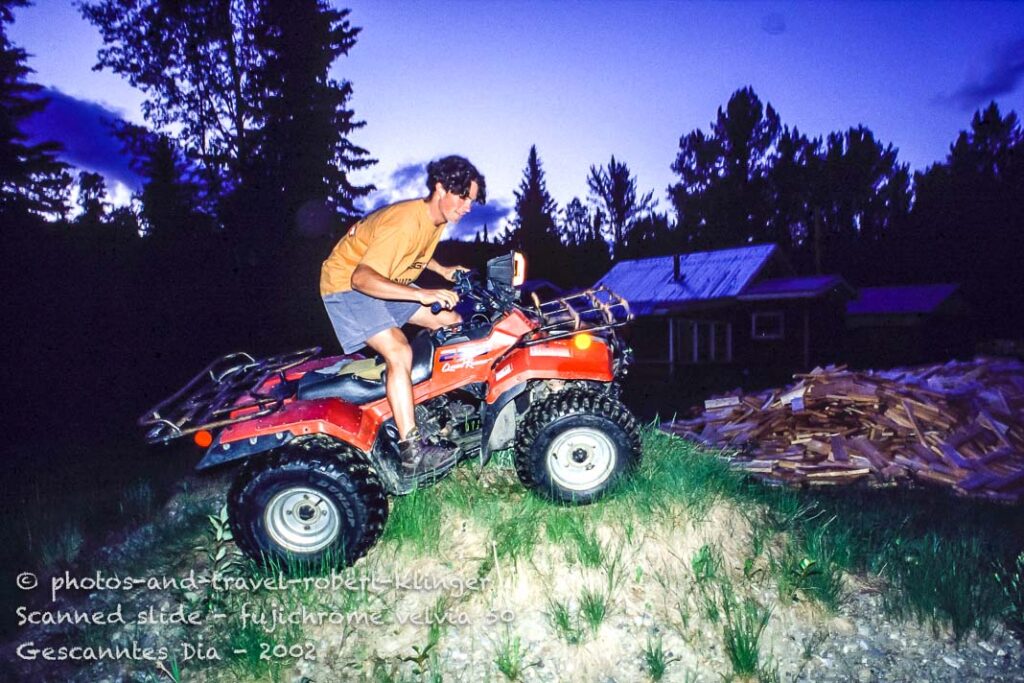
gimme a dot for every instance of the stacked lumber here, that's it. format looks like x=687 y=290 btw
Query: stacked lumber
x=959 y=425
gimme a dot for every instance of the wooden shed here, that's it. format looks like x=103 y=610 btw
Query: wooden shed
x=907 y=324
x=741 y=309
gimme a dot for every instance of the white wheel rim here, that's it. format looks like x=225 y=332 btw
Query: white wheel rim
x=302 y=520
x=580 y=459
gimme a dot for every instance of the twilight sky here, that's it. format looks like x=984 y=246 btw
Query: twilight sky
x=585 y=80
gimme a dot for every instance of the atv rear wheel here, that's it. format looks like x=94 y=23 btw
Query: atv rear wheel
x=311 y=505
x=575 y=445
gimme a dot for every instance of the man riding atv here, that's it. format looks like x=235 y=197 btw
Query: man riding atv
x=368 y=291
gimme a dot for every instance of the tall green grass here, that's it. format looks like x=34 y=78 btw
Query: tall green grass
x=939 y=553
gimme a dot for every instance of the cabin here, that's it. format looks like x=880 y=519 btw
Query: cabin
x=733 y=316
x=908 y=324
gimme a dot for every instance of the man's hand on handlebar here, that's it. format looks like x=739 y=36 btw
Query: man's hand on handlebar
x=450 y=273
x=438 y=299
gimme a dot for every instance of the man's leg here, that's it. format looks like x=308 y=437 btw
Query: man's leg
x=424 y=318
x=392 y=345
x=419 y=457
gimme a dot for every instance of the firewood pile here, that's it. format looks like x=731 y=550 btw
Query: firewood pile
x=960 y=425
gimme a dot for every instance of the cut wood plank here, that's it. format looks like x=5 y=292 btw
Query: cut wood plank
x=959 y=424
x=954 y=456
x=837 y=445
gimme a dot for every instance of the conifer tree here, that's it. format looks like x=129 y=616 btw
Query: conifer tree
x=31 y=177
x=533 y=230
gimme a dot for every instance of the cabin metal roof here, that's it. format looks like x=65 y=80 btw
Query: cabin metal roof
x=649 y=284
x=901 y=300
x=795 y=288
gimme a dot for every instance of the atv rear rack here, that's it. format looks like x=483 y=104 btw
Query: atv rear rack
x=235 y=382
x=591 y=310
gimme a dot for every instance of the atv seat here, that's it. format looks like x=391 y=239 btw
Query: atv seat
x=363 y=381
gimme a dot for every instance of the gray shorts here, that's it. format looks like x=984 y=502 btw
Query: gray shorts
x=356 y=317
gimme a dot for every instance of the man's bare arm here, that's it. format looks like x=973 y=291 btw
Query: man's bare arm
x=371 y=283
x=447 y=272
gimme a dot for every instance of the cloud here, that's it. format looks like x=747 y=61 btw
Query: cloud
x=492 y=214
x=409 y=181
x=773 y=24
x=1004 y=73
x=83 y=127
x=410 y=178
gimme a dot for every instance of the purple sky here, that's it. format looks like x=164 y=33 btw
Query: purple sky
x=585 y=80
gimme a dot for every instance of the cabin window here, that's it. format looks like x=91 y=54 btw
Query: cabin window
x=703 y=341
x=767 y=325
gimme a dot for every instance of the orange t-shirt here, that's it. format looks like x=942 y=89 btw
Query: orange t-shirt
x=397 y=241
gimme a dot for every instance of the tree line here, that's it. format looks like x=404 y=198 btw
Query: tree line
x=842 y=203
x=248 y=146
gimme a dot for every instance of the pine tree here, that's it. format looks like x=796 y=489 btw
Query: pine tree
x=722 y=199
x=244 y=86
x=31 y=177
x=967 y=223
x=92 y=200
x=305 y=144
x=169 y=198
x=533 y=230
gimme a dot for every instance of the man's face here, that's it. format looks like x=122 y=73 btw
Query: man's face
x=454 y=206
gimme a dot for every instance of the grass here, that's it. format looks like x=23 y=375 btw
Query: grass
x=676 y=472
x=940 y=584
x=811 y=566
x=516 y=536
x=582 y=544
x=949 y=562
x=594 y=608
x=744 y=620
x=655 y=660
x=706 y=564
x=565 y=622
x=415 y=522
x=510 y=656
x=939 y=553
x=61 y=548
x=138 y=502
x=1011 y=581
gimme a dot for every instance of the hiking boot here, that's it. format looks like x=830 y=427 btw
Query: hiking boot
x=421 y=457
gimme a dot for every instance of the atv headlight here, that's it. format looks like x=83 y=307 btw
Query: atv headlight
x=518 y=269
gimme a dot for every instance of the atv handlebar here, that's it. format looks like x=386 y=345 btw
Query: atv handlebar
x=463 y=286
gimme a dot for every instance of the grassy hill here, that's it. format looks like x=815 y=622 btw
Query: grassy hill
x=688 y=573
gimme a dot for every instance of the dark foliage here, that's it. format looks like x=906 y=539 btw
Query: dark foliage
x=722 y=198
x=31 y=177
x=588 y=257
x=613 y=192
x=967 y=224
x=835 y=205
x=245 y=83
x=533 y=231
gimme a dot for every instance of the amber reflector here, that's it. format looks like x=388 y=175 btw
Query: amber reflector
x=582 y=341
x=203 y=438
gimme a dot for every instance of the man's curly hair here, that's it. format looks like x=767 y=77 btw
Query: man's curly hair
x=455 y=174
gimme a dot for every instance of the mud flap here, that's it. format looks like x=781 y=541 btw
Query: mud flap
x=490 y=420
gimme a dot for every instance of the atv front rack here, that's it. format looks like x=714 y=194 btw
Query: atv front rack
x=591 y=310
x=234 y=383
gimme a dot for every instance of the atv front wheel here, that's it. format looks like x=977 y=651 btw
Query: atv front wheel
x=574 y=446
x=310 y=506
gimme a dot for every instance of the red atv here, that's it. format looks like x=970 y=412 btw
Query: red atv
x=319 y=443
